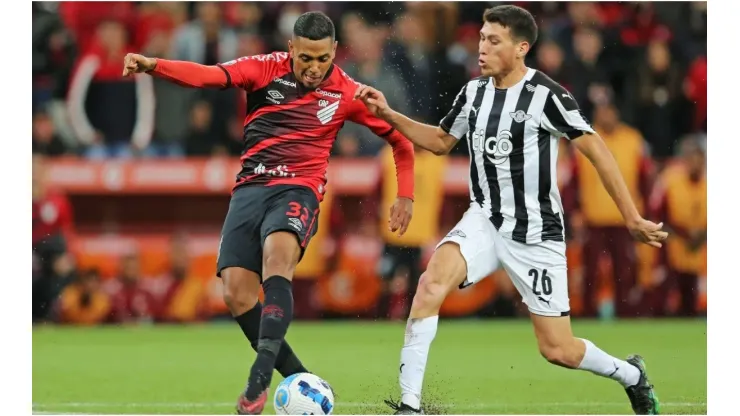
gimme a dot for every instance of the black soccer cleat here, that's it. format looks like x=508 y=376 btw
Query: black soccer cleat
x=403 y=408
x=642 y=397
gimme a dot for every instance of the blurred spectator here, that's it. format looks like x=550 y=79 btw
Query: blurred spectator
x=660 y=104
x=644 y=27
x=113 y=116
x=680 y=201
x=605 y=231
x=346 y=144
x=83 y=18
x=130 y=300
x=550 y=61
x=181 y=294
x=51 y=228
x=352 y=288
x=205 y=40
x=578 y=14
x=365 y=64
x=586 y=76
x=400 y=266
x=465 y=51
x=84 y=302
x=245 y=17
x=45 y=139
x=696 y=91
x=53 y=53
x=199 y=141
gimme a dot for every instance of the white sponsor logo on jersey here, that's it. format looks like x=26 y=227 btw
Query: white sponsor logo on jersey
x=496 y=149
x=328 y=94
x=284 y=82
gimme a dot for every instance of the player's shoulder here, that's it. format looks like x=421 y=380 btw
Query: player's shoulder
x=540 y=79
x=344 y=82
x=264 y=58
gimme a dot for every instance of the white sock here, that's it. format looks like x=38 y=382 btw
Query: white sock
x=419 y=336
x=598 y=362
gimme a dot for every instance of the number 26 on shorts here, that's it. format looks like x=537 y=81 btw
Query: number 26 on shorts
x=544 y=280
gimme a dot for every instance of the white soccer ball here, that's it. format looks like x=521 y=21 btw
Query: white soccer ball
x=303 y=394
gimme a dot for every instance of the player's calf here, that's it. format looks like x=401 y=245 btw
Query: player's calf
x=280 y=256
x=447 y=269
x=241 y=289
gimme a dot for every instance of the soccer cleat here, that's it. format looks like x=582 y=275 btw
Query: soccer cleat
x=642 y=396
x=403 y=408
x=255 y=407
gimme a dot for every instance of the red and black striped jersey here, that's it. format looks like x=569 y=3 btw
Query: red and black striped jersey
x=289 y=129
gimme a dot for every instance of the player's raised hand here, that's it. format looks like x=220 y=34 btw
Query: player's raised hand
x=374 y=100
x=648 y=232
x=400 y=215
x=134 y=63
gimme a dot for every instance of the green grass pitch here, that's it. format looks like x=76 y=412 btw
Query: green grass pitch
x=475 y=367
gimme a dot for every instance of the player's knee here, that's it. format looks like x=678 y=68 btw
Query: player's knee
x=431 y=291
x=238 y=295
x=281 y=254
x=278 y=263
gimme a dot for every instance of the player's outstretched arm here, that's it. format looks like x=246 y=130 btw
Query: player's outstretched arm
x=187 y=74
x=593 y=147
x=426 y=136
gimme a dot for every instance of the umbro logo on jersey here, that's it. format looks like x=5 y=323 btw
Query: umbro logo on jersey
x=482 y=83
x=520 y=116
x=274 y=96
x=325 y=114
x=530 y=87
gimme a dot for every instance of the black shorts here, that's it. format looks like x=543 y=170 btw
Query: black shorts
x=258 y=211
x=397 y=257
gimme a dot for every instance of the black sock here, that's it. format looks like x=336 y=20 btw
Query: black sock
x=287 y=363
x=276 y=315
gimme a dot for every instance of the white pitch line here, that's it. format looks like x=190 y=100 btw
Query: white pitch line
x=341 y=404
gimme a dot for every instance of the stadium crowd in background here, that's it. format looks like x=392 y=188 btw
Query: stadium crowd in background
x=637 y=69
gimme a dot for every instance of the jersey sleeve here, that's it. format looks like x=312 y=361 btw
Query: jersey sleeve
x=563 y=118
x=359 y=114
x=251 y=72
x=455 y=122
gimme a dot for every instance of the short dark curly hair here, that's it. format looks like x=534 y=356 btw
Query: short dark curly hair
x=314 y=26
x=520 y=22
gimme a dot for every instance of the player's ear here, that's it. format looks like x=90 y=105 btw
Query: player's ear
x=523 y=49
x=290 y=47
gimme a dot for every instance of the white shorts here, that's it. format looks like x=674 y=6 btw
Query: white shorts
x=539 y=271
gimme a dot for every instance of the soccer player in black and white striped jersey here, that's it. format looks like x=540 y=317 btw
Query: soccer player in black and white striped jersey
x=512 y=117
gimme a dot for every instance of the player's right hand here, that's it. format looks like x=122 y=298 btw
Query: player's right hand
x=374 y=101
x=134 y=63
x=648 y=232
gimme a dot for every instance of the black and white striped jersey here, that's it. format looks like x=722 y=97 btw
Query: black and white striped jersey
x=512 y=138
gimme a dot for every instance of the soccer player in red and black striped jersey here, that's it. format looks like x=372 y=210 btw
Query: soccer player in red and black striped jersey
x=296 y=104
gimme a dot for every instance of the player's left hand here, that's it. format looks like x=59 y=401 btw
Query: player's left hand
x=400 y=215
x=648 y=232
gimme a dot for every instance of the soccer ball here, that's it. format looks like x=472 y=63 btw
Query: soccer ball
x=303 y=394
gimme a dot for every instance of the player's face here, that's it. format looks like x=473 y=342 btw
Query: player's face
x=498 y=51
x=311 y=59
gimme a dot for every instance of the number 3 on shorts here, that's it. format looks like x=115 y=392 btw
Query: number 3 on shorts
x=296 y=210
x=546 y=283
